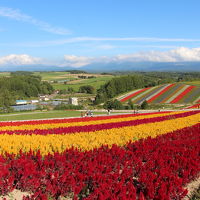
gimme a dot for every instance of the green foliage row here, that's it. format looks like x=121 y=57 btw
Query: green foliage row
x=88 y=89
x=76 y=71
x=117 y=105
x=119 y=85
x=68 y=107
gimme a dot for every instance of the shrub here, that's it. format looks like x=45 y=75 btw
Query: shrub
x=144 y=105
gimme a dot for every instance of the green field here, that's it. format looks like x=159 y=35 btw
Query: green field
x=196 y=83
x=74 y=81
x=95 y=82
x=51 y=76
x=4 y=74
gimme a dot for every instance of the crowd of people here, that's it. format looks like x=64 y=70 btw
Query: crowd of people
x=88 y=113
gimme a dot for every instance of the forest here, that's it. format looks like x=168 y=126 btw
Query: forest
x=20 y=86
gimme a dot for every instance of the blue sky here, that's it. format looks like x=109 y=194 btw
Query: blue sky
x=79 y=32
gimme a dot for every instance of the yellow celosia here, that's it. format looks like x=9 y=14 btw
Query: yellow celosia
x=88 y=140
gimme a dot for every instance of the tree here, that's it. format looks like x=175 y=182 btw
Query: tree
x=144 y=105
x=6 y=100
x=130 y=104
x=117 y=105
x=70 y=90
x=63 y=91
x=88 y=89
x=119 y=85
x=110 y=104
x=25 y=85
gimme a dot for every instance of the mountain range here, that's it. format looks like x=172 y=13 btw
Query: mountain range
x=113 y=66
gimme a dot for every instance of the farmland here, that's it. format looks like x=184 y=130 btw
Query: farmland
x=130 y=156
x=73 y=80
x=59 y=79
x=76 y=83
x=196 y=83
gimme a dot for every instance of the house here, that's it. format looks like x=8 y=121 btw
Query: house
x=34 y=101
x=44 y=98
x=73 y=101
x=21 y=102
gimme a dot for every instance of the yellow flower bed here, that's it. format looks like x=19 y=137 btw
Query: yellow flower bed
x=89 y=140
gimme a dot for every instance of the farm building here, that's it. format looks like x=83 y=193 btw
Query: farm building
x=73 y=101
x=21 y=102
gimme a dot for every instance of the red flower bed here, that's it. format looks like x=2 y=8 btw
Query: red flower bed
x=194 y=106
x=180 y=96
x=160 y=93
x=133 y=94
x=147 y=169
x=97 y=127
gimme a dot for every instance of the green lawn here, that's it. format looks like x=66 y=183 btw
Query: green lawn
x=39 y=115
x=47 y=115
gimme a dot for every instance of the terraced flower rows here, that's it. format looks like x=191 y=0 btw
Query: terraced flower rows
x=194 y=106
x=169 y=93
x=132 y=156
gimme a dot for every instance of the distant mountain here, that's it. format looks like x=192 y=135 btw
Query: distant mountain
x=114 y=66
x=143 y=66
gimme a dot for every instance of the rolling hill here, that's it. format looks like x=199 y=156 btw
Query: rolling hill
x=175 y=93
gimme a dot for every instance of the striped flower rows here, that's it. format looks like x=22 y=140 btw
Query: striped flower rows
x=170 y=93
x=181 y=95
x=88 y=133
x=137 y=157
x=194 y=106
x=131 y=95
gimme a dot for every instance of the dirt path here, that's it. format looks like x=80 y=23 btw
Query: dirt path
x=192 y=187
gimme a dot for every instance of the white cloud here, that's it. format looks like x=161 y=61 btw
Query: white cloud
x=176 y=55
x=77 y=61
x=181 y=54
x=22 y=59
x=18 y=16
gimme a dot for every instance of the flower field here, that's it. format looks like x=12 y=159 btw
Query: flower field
x=168 y=93
x=130 y=156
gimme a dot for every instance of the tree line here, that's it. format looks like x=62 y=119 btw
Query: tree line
x=119 y=85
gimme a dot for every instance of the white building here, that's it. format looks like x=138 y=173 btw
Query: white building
x=21 y=102
x=34 y=101
x=73 y=101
